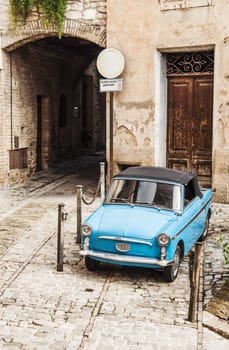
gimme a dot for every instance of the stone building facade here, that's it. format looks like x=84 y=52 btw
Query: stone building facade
x=173 y=110
x=50 y=105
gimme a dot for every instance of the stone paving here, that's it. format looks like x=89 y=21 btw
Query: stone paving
x=112 y=308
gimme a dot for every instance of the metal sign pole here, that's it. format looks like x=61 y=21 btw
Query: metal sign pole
x=111 y=137
x=110 y=64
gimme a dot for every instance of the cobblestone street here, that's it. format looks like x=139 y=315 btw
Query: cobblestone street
x=114 y=308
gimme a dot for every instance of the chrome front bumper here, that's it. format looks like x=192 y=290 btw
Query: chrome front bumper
x=125 y=258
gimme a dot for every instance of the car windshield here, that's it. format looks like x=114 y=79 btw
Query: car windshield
x=144 y=192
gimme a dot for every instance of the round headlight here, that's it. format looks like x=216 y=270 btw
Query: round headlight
x=163 y=240
x=86 y=230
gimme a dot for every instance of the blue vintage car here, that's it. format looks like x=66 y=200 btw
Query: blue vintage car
x=151 y=217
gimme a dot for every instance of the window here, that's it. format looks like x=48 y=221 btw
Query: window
x=149 y=193
x=18 y=158
x=189 y=193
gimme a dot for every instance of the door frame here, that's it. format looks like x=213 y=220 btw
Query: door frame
x=161 y=100
x=196 y=155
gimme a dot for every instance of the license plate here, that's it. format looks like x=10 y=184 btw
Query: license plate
x=122 y=247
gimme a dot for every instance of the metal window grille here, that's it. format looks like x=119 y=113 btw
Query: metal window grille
x=190 y=63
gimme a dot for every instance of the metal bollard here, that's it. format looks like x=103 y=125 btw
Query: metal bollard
x=79 y=190
x=60 y=236
x=103 y=181
x=195 y=282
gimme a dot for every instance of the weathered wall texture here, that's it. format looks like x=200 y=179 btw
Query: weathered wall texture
x=130 y=30
x=144 y=31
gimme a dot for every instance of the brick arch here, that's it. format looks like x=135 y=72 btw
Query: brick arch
x=35 y=30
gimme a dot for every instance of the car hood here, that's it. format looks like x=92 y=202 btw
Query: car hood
x=131 y=221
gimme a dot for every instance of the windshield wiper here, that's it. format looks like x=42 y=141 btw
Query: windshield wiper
x=151 y=204
x=118 y=199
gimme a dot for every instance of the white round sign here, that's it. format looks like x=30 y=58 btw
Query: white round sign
x=110 y=63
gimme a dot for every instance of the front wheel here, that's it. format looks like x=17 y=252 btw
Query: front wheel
x=171 y=271
x=91 y=264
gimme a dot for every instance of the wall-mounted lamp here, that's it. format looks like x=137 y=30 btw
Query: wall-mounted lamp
x=76 y=112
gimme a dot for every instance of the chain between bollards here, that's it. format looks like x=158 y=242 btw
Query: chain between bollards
x=80 y=199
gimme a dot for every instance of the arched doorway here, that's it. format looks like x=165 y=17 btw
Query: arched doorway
x=50 y=96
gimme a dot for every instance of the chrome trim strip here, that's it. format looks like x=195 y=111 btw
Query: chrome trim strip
x=194 y=217
x=117 y=238
x=125 y=258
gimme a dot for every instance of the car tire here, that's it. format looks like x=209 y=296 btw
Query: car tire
x=171 y=271
x=205 y=233
x=91 y=264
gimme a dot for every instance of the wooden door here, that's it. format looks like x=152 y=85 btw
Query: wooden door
x=189 y=137
x=39 y=134
x=42 y=151
x=88 y=111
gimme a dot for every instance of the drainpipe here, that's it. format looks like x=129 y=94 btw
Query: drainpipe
x=109 y=132
x=111 y=136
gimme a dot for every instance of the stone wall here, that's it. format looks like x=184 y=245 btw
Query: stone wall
x=86 y=11
x=144 y=31
x=84 y=19
x=29 y=79
x=216 y=271
x=26 y=73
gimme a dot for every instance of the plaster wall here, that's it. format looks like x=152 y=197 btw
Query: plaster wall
x=144 y=31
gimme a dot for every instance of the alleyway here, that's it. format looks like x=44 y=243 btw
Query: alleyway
x=113 y=308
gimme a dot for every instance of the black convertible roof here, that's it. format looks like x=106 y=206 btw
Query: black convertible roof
x=159 y=173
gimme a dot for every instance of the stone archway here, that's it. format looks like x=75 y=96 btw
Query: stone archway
x=35 y=105
x=44 y=71
x=36 y=29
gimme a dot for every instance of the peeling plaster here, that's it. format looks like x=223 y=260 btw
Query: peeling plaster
x=222 y=130
x=223 y=92
x=134 y=125
x=148 y=120
x=147 y=141
x=220 y=108
x=135 y=105
x=125 y=136
x=226 y=40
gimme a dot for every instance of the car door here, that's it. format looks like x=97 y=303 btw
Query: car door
x=194 y=215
